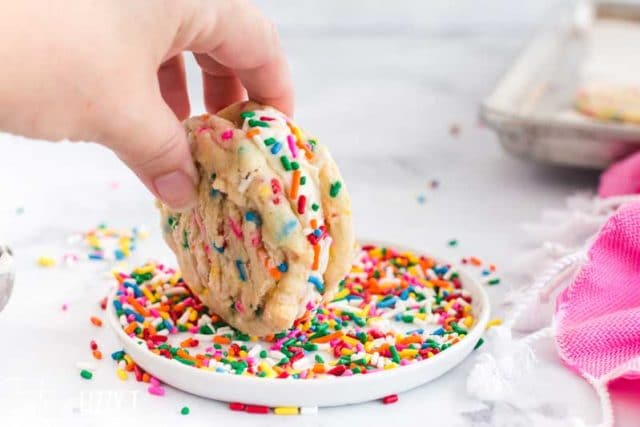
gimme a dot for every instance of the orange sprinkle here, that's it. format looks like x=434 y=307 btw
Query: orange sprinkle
x=139 y=308
x=252 y=132
x=441 y=283
x=146 y=378
x=316 y=257
x=131 y=327
x=313 y=223
x=96 y=321
x=318 y=368
x=221 y=339
x=475 y=261
x=186 y=343
x=97 y=354
x=275 y=273
x=295 y=184
x=492 y=267
x=411 y=339
x=327 y=338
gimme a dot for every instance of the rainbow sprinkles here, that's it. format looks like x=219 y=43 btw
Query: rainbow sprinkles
x=393 y=309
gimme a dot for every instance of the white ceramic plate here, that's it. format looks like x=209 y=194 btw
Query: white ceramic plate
x=330 y=391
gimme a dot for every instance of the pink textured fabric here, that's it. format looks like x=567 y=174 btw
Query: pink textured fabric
x=621 y=178
x=598 y=315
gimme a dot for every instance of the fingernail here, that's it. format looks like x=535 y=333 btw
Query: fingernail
x=176 y=189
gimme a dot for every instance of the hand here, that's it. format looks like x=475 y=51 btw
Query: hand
x=112 y=72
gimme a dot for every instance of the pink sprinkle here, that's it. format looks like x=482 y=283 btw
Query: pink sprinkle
x=156 y=391
x=292 y=146
x=227 y=135
x=347 y=373
x=256 y=239
x=239 y=307
x=193 y=329
x=64 y=307
x=202 y=130
x=404 y=362
x=235 y=228
x=154 y=381
x=266 y=119
x=208 y=350
x=154 y=312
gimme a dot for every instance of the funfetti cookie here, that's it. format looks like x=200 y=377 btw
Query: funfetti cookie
x=610 y=103
x=271 y=236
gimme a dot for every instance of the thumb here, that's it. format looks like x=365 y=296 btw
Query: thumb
x=153 y=143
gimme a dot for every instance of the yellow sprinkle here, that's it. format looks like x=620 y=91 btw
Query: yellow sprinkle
x=343 y=293
x=421 y=316
x=389 y=366
x=350 y=340
x=147 y=293
x=468 y=321
x=146 y=269
x=267 y=369
x=45 y=261
x=494 y=322
x=429 y=354
x=175 y=278
x=346 y=352
x=264 y=190
x=285 y=410
x=368 y=346
x=122 y=374
x=408 y=352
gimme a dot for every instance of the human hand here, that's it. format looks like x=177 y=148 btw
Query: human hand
x=113 y=72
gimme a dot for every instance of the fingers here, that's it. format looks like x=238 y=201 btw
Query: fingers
x=153 y=143
x=221 y=86
x=244 y=45
x=173 y=86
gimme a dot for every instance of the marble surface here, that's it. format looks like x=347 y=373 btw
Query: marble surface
x=380 y=84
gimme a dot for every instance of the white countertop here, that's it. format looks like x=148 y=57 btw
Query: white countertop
x=380 y=85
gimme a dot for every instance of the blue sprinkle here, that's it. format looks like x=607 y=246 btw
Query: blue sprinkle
x=486 y=272
x=398 y=317
x=404 y=295
x=317 y=232
x=283 y=267
x=389 y=302
x=441 y=270
x=95 y=256
x=213 y=193
x=251 y=216
x=241 y=272
x=415 y=331
x=219 y=249
x=275 y=148
x=288 y=228
x=134 y=286
x=220 y=369
x=118 y=305
x=168 y=324
x=117 y=355
x=130 y=312
x=317 y=283
x=118 y=254
x=438 y=331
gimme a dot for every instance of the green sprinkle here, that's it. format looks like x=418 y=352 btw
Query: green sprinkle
x=457 y=329
x=285 y=163
x=258 y=124
x=263 y=354
x=87 y=375
x=184 y=410
x=185 y=239
x=295 y=166
x=303 y=180
x=315 y=207
x=247 y=114
x=479 y=344
x=172 y=221
x=269 y=141
x=492 y=282
x=407 y=318
x=185 y=361
x=206 y=330
x=319 y=358
x=394 y=354
x=335 y=189
x=310 y=346
x=283 y=361
x=453 y=243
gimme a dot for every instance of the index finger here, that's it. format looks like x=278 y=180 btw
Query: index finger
x=241 y=39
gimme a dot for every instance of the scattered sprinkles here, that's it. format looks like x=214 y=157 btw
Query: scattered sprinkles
x=393 y=309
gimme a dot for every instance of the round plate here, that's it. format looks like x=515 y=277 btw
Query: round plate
x=330 y=391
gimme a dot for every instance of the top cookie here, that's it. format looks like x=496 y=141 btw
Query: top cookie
x=271 y=236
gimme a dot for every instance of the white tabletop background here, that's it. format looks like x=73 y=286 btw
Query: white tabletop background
x=380 y=83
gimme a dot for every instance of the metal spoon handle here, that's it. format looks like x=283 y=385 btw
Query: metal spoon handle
x=6 y=275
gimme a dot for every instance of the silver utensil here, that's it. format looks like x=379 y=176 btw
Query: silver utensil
x=7 y=274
